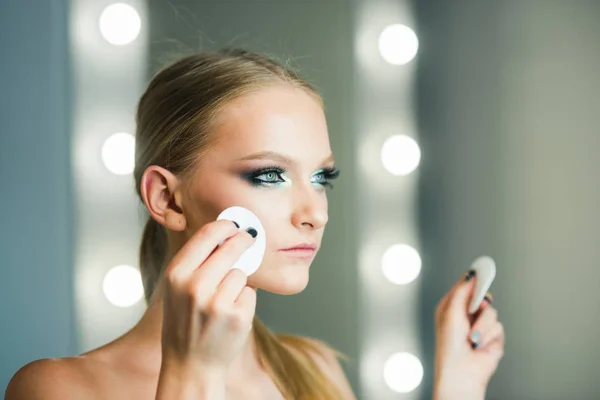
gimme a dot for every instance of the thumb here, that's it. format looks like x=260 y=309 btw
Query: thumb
x=462 y=293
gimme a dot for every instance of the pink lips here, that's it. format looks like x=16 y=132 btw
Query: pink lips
x=303 y=250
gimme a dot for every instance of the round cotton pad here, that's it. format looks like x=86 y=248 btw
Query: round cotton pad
x=251 y=258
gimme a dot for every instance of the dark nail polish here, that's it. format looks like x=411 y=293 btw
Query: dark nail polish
x=252 y=232
x=236 y=224
x=470 y=275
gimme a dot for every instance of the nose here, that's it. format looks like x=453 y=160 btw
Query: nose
x=310 y=209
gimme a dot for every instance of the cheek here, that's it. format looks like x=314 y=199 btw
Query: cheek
x=272 y=212
x=272 y=215
x=201 y=213
x=205 y=206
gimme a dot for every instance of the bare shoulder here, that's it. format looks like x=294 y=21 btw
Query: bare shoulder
x=327 y=359
x=49 y=379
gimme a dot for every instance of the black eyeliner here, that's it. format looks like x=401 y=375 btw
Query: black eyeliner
x=250 y=176
x=328 y=173
x=331 y=172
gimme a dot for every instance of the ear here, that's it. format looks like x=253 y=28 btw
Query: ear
x=162 y=195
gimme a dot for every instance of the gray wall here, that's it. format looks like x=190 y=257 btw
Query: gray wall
x=509 y=98
x=36 y=312
x=318 y=36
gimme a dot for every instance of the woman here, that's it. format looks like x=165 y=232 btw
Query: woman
x=216 y=130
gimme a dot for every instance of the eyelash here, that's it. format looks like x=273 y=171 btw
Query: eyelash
x=329 y=174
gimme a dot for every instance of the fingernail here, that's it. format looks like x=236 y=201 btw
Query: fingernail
x=252 y=232
x=236 y=224
x=475 y=338
x=488 y=298
x=470 y=275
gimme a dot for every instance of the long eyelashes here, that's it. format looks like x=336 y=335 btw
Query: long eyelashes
x=268 y=176
x=327 y=175
x=273 y=175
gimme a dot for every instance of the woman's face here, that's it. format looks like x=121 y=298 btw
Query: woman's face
x=272 y=156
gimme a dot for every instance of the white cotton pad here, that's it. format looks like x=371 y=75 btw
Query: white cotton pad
x=251 y=258
x=485 y=272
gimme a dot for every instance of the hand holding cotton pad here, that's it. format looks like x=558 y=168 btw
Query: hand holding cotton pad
x=251 y=258
x=485 y=272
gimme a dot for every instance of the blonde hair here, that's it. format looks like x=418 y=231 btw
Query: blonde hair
x=175 y=118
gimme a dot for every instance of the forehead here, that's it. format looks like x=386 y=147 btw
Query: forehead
x=281 y=119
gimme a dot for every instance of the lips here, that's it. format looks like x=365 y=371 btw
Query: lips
x=303 y=250
x=302 y=247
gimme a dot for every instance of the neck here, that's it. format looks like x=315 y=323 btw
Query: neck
x=146 y=335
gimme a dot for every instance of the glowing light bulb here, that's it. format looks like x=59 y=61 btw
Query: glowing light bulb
x=401 y=264
x=400 y=155
x=122 y=286
x=398 y=44
x=118 y=153
x=403 y=372
x=120 y=24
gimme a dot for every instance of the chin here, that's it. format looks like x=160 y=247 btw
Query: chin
x=284 y=280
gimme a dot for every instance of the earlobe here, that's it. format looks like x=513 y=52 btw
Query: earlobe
x=160 y=194
x=175 y=221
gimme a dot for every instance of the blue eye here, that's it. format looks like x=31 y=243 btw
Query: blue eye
x=273 y=176
x=270 y=177
x=265 y=176
x=324 y=176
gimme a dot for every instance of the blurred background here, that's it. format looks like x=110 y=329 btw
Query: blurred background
x=463 y=128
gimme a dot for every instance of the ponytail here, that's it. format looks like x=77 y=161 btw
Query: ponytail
x=290 y=360
x=152 y=255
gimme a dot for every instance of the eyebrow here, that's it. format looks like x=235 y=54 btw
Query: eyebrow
x=274 y=156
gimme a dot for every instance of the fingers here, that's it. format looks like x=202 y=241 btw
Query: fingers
x=460 y=294
x=486 y=328
x=230 y=288
x=233 y=301
x=495 y=334
x=220 y=262
x=246 y=306
x=495 y=346
x=198 y=249
x=464 y=281
x=246 y=301
x=235 y=315
x=485 y=332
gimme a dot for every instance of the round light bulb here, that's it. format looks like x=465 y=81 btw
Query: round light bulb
x=398 y=44
x=400 y=155
x=122 y=286
x=118 y=153
x=120 y=24
x=403 y=372
x=401 y=264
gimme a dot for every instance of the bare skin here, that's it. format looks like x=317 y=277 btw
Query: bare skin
x=279 y=126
